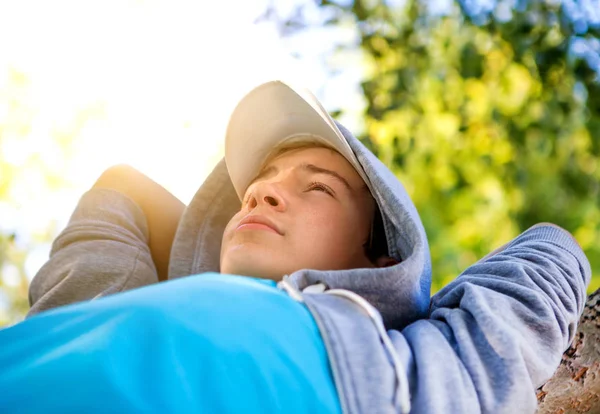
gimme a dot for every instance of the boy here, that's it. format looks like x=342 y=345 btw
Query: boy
x=350 y=327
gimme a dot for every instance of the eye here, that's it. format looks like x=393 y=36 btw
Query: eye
x=317 y=186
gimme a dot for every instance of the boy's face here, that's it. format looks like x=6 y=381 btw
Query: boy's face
x=307 y=209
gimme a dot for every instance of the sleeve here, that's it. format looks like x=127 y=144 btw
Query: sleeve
x=103 y=250
x=499 y=330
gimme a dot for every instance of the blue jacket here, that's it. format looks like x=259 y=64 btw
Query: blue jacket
x=484 y=343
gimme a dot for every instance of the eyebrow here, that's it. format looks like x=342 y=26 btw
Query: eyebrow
x=318 y=170
x=306 y=167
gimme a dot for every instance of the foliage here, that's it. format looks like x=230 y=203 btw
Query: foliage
x=14 y=295
x=490 y=118
x=32 y=170
x=15 y=118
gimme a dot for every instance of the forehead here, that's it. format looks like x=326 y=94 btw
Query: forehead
x=321 y=157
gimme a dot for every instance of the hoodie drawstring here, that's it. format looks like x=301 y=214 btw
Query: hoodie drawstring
x=402 y=396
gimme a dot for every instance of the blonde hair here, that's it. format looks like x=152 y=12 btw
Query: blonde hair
x=301 y=143
x=296 y=144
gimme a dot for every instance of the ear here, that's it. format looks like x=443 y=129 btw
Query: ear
x=385 y=261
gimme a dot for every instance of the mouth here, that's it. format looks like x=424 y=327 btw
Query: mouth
x=256 y=222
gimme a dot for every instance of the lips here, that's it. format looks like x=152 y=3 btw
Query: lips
x=258 y=222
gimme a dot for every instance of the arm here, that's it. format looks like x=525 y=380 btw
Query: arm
x=105 y=247
x=162 y=210
x=498 y=331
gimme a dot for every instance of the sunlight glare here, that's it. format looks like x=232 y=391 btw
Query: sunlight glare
x=146 y=83
x=164 y=75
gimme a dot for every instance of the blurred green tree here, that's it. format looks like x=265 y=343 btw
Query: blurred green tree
x=33 y=168
x=488 y=112
x=15 y=121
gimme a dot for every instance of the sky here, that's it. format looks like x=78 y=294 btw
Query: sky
x=165 y=75
x=153 y=83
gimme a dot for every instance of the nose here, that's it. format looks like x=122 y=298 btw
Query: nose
x=267 y=194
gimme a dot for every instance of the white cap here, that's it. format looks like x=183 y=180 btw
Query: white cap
x=271 y=115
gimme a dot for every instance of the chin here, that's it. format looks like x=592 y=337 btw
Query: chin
x=251 y=261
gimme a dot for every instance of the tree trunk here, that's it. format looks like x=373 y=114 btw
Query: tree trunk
x=575 y=386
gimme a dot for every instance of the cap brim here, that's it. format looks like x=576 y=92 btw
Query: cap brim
x=271 y=115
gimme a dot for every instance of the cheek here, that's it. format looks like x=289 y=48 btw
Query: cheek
x=228 y=232
x=331 y=229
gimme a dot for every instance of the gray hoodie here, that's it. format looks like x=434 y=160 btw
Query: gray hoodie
x=484 y=343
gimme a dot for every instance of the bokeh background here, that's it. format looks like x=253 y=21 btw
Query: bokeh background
x=488 y=111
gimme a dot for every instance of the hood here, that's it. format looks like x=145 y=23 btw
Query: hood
x=401 y=293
